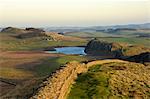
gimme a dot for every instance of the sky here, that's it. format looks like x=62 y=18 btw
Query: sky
x=40 y=13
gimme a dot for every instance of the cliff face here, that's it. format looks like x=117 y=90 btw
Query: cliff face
x=97 y=47
x=142 y=58
x=116 y=50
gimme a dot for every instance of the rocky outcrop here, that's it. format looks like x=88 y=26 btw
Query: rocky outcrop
x=116 y=50
x=142 y=58
x=35 y=29
x=57 y=86
x=97 y=47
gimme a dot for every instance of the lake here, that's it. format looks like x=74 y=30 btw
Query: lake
x=69 y=50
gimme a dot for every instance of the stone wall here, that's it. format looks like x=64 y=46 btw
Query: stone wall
x=57 y=86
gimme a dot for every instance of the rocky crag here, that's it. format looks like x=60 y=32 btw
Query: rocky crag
x=142 y=58
x=116 y=50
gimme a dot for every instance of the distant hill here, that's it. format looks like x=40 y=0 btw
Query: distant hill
x=94 y=28
x=130 y=26
x=12 y=30
x=37 y=32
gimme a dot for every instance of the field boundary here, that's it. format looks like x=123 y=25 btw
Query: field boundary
x=57 y=86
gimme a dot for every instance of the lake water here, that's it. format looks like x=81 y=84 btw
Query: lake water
x=69 y=50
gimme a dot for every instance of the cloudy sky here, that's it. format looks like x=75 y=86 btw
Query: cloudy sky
x=41 y=13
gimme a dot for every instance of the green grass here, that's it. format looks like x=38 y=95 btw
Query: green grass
x=112 y=81
x=44 y=68
x=13 y=73
x=29 y=78
x=121 y=33
x=131 y=33
x=91 y=85
x=126 y=37
x=93 y=34
x=29 y=75
x=10 y=43
x=50 y=65
x=131 y=40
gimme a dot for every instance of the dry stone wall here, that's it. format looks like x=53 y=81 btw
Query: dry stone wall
x=57 y=86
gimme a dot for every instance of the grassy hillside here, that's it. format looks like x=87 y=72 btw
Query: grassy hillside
x=113 y=81
x=123 y=32
x=24 y=65
x=8 y=41
x=127 y=36
x=129 y=40
x=114 y=49
x=27 y=71
x=23 y=62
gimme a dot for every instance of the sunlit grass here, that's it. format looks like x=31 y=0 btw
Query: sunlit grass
x=50 y=65
x=13 y=73
x=112 y=81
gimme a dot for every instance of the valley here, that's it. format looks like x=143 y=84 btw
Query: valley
x=27 y=64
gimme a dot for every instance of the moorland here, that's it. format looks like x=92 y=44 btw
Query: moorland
x=25 y=65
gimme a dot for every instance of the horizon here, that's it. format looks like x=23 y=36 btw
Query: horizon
x=75 y=26
x=73 y=13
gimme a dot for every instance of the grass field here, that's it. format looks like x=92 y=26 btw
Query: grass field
x=112 y=81
x=30 y=69
x=24 y=63
x=50 y=65
x=119 y=33
x=88 y=34
x=119 y=36
x=131 y=40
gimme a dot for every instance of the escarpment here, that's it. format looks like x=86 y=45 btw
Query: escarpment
x=97 y=47
x=57 y=86
x=116 y=50
x=142 y=58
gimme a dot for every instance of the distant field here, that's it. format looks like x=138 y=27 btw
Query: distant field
x=130 y=40
x=119 y=36
x=131 y=33
x=118 y=33
x=88 y=34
